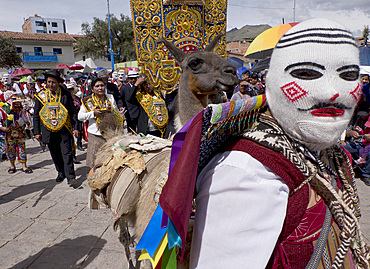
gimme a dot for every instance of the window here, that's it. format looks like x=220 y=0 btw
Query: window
x=49 y=32
x=41 y=31
x=40 y=23
x=54 y=24
x=55 y=32
x=48 y=22
x=57 y=50
x=38 y=51
x=19 y=49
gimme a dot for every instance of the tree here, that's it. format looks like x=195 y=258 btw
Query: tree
x=365 y=34
x=9 y=57
x=96 y=42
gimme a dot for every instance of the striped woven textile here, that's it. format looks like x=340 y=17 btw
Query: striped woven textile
x=221 y=112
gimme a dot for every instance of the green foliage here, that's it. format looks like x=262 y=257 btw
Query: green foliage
x=365 y=34
x=9 y=57
x=96 y=43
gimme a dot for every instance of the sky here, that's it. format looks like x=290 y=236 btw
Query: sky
x=354 y=14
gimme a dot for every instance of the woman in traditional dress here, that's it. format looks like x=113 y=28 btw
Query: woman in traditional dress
x=94 y=108
x=13 y=122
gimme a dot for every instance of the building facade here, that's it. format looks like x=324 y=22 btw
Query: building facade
x=37 y=24
x=43 y=51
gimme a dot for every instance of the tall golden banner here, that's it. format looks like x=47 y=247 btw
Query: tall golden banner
x=189 y=24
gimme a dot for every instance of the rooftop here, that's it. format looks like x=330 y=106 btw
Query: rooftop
x=45 y=37
x=247 y=32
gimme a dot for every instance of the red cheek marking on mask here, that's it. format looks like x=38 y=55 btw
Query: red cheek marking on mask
x=334 y=97
x=293 y=91
x=356 y=93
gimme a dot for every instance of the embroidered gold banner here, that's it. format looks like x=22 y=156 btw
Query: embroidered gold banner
x=189 y=24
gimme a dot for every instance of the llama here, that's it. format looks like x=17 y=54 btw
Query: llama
x=131 y=196
x=203 y=73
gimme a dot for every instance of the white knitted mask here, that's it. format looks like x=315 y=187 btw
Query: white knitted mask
x=122 y=76
x=6 y=79
x=313 y=82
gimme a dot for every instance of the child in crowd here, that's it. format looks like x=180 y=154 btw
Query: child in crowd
x=13 y=123
x=254 y=86
x=366 y=144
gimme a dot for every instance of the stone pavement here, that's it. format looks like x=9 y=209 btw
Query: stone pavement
x=44 y=224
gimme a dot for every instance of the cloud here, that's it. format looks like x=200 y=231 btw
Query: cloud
x=352 y=14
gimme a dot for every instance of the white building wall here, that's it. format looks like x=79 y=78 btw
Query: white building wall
x=49 y=25
x=67 y=56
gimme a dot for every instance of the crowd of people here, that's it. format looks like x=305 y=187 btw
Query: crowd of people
x=61 y=112
x=289 y=172
x=356 y=138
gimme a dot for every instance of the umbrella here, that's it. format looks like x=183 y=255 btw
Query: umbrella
x=364 y=55
x=22 y=72
x=75 y=75
x=87 y=69
x=76 y=67
x=61 y=66
x=99 y=68
x=261 y=65
x=264 y=43
x=236 y=62
x=24 y=79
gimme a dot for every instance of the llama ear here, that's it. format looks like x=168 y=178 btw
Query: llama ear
x=214 y=42
x=176 y=52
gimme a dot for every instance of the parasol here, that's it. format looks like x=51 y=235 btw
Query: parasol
x=87 y=69
x=22 y=72
x=264 y=43
x=61 y=66
x=24 y=79
x=76 y=67
x=236 y=62
x=99 y=68
x=75 y=75
x=261 y=65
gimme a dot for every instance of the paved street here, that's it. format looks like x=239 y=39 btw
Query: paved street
x=45 y=224
x=48 y=225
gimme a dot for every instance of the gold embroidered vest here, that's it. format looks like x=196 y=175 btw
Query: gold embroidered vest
x=92 y=102
x=53 y=114
x=155 y=108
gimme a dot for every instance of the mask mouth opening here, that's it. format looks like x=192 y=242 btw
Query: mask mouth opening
x=328 y=112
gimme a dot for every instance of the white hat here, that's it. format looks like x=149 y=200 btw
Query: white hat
x=69 y=85
x=132 y=74
x=103 y=73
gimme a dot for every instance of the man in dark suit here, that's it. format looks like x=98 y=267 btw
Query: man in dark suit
x=55 y=123
x=133 y=106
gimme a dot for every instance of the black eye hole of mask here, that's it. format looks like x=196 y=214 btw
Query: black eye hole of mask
x=305 y=73
x=350 y=75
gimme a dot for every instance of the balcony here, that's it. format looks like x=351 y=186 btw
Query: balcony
x=39 y=57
